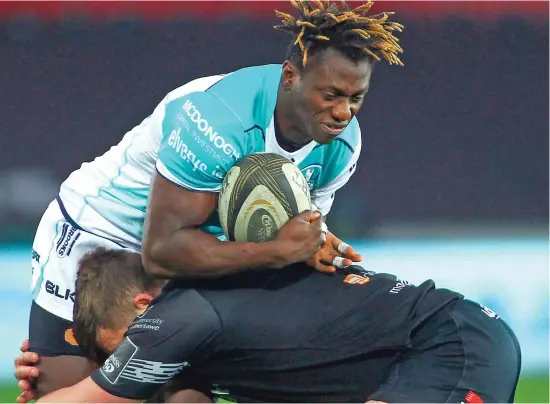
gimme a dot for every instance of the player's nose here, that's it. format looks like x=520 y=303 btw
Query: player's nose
x=342 y=112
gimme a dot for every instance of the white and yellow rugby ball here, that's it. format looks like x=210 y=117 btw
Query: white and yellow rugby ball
x=259 y=194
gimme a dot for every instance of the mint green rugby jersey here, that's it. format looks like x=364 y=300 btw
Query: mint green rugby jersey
x=192 y=139
x=206 y=132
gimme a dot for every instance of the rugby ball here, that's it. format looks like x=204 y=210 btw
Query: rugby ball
x=259 y=194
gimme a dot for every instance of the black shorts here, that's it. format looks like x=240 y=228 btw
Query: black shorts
x=50 y=335
x=464 y=353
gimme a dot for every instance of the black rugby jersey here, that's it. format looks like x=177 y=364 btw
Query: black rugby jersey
x=291 y=334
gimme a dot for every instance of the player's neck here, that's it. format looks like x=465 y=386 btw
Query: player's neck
x=286 y=144
x=289 y=137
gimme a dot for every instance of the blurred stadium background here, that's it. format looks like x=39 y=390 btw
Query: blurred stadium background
x=453 y=180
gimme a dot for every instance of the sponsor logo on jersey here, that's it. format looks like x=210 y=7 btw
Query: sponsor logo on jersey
x=399 y=286
x=175 y=142
x=152 y=324
x=35 y=256
x=117 y=362
x=354 y=279
x=208 y=131
x=312 y=173
x=472 y=397
x=69 y=235
x=70 y=338
x=489 y=312
x=55 y=290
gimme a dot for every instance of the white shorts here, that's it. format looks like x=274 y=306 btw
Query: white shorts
x=58 y=246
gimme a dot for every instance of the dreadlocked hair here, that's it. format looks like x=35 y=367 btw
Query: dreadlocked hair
x=321 y=25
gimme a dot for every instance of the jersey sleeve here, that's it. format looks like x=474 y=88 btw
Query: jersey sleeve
x=174 y=333
x=201 y=140
x=323 y=197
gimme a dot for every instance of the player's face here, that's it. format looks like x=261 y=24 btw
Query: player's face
x=328 y=94
x=108 y=338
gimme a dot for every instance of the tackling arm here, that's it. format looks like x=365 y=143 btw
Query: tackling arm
x=86 y=391
x=174 y=247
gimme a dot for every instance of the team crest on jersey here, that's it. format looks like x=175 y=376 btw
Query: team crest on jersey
x=354 y=279
x=117 y=362
x=312 y=174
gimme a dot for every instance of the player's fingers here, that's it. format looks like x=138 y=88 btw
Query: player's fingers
x=319 y=266
x=310 y=215
x=24 y=345
x=25 y=397
x=352 y=255
x=347 y=251
x=341 y=262
x=336 y=261
x=334 y=241
x=24 y=372
x=343 y=248
x=317 y=223
x=26 y=358
x=24 y=385
x=21 y=398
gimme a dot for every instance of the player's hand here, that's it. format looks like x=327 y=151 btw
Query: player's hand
x=300 y=238
x=333 y=254
x=25 y=372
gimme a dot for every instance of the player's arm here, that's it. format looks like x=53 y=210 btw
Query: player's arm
x=184 y=193
x=40 y=375
x=86 y=391
x=61 y=371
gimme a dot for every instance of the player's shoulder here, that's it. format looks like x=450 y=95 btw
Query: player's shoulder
x=203 y=110
x=250 y=93
x=230 y=104
x=178 y=308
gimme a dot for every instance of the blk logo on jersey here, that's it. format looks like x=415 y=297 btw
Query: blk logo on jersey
x=61 y=293
x=312 y=174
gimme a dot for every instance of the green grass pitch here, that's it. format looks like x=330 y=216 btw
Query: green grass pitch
x=530 y=390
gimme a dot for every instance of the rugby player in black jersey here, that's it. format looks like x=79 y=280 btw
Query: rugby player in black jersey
x=296 y=335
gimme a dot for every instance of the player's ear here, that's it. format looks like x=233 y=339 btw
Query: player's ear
x=290 y=74
x=142 y=301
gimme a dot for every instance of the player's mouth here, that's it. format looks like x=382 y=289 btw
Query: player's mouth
x=333 y=129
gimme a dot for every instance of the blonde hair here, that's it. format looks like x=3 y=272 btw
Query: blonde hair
x=322 y=24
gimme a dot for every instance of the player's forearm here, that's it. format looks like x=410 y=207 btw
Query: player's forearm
x=194 y=253
x=84 y=392
x=64 y=395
